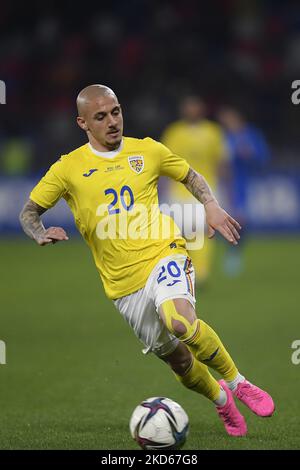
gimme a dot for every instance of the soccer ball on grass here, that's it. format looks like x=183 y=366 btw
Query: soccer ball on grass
x=159 y=423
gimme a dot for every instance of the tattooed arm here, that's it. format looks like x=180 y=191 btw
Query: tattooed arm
x=198 y=186
x=34 y=228
x=216 y=217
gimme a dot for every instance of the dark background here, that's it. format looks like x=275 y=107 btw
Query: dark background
x=245 y=53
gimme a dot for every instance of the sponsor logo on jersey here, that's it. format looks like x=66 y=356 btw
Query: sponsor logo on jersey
x=90 y=172
x=136 y=163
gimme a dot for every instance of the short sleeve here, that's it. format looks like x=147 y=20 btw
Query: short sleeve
x=51 y=187
x=172 y=165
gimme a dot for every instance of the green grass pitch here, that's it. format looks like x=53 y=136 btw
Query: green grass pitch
x=75 y=371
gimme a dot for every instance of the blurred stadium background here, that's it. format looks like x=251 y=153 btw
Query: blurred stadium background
x=67 y=383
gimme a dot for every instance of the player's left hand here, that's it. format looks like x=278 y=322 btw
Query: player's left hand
x=218 y=219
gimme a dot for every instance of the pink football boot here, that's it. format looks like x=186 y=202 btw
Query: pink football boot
x=234 y=422
x=259 y=401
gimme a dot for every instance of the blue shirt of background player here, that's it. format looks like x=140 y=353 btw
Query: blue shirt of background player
x=248 y=154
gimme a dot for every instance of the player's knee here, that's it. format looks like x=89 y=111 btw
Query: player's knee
x=185 y=309
x=179 y=329
x=182 y=365
x=178 y=316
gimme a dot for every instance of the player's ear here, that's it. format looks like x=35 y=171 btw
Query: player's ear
x=82 y=123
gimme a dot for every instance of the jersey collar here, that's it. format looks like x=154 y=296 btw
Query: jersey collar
x=110 y=154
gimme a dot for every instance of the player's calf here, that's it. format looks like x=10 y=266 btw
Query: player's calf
x=180 y=360
x=180 y=318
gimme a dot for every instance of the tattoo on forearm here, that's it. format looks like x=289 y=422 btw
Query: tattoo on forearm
x=198 y=186
x=30 y=219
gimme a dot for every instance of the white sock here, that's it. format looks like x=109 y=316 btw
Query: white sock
x=234 y=383
x=222 y=400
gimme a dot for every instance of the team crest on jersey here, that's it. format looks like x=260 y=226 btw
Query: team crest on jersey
x=136 y=163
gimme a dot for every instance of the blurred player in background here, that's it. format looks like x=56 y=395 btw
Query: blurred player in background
x=248 y=154
x=150 y=279
x=201 y=142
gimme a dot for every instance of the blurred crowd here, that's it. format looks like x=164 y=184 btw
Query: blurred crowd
x=240 y=53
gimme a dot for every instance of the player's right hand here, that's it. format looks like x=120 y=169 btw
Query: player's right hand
x=218 y=219
x=52 y=235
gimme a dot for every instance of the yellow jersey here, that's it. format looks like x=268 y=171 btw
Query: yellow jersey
x=201 y=144
x=114 y=202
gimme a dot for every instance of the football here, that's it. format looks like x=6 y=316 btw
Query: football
x=159 y=423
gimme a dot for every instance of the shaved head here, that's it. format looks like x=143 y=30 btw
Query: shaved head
x=100 y=116
x=89 y=94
